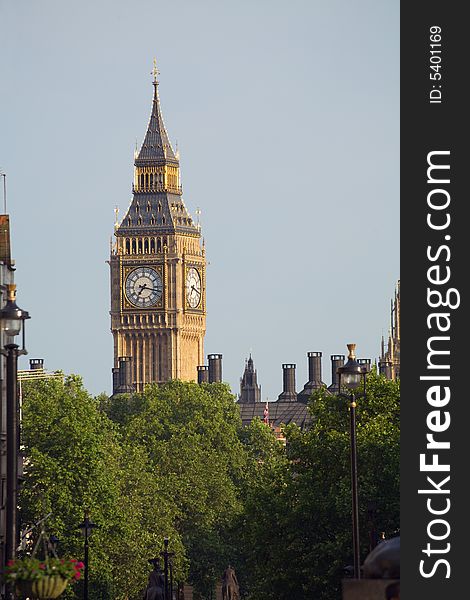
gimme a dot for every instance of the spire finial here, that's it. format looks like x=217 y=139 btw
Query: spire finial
x=155 y=71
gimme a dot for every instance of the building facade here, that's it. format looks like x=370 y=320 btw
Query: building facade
x=158 y=272
x=250 y=391
x=291 y=406
x=7 y=269
x=389 y=362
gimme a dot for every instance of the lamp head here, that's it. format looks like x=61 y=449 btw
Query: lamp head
x=352 y=374
x=11 y=316
x=87 y=526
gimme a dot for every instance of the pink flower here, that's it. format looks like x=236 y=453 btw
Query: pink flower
x=79 y=565
x=10 y=563
x=77 y=575
x=42 y=566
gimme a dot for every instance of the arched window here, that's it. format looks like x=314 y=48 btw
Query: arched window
x=151 y=180
x=146 y=180
x=142 y=180
x=140 y=246
x=128 y=246
x=159 y=245
x=133 y=247
x=159 y=208
x=152 y=246
x=146 y=246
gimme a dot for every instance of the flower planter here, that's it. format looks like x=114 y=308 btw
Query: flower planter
x=46 y=587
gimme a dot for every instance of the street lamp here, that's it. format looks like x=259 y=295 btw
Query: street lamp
x=351 y=377
x=12 y=320
x=168 y=569
x=87 y=527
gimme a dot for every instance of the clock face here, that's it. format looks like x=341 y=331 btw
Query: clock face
x=193 y=288
x=144 y=287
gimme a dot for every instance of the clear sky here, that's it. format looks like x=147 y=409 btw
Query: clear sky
x=287 y=121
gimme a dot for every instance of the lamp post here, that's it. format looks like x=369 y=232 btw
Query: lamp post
x=352 y=376
x=87 y=527
x=168 y=568
x=12 y=322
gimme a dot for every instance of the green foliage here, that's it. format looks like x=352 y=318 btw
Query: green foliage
x=297 y=521
x=190 y=434
x=77 y=460
x=174 y=461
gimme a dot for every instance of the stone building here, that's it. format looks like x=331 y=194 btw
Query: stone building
x=291 y=406
x=158 y=272
x=7 y=269
x=250 y=391
x=389 y=361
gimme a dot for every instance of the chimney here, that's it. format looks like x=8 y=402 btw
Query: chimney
x=314 y=366
x=203 y=374
x=36 y=364
x=365 y=363
x=288 y=379
x=337 y=360
x=314 y=377
x=385 y=368
x=215 y=368
x=115 y=372
x=125 y=375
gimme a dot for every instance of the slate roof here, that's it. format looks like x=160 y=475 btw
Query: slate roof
x=279 y=413
x=156 y=145
x=158 y=212
x=161 y=212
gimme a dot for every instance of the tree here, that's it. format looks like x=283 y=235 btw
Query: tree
x=259 y=530
x=76 y=459
x=298 y=520
x=189 y=433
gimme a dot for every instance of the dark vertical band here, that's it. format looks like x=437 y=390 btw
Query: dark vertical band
x=435 y=412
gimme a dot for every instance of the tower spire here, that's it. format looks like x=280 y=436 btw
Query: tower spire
x=156 y=146
x=155 y=72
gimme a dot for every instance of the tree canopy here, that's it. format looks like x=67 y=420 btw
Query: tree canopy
x=175 y=462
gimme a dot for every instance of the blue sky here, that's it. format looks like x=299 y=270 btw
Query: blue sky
x=287 y=121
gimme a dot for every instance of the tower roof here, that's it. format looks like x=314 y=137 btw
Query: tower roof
x=156 y=146
x=157 y=204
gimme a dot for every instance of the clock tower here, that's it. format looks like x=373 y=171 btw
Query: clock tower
x=158 y=272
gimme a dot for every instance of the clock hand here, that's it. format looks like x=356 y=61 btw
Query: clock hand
x=196 y=290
